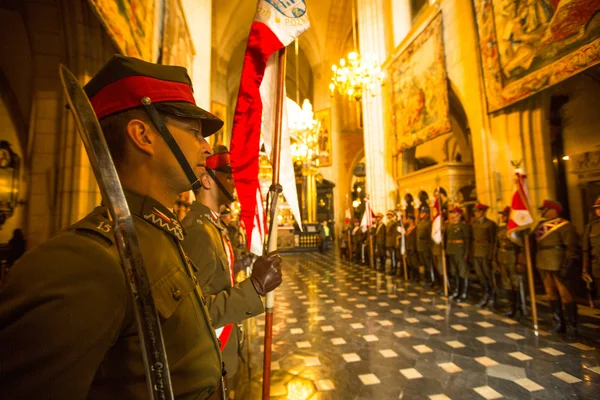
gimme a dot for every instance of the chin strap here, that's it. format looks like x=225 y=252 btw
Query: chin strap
x=219 y=184
x=166 y=135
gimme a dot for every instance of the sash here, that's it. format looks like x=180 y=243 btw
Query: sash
x=548 y=227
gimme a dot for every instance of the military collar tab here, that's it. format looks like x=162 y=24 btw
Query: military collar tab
x=209 y=214
x=155 y=213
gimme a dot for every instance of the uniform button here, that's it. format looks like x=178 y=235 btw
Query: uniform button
x=177 y=294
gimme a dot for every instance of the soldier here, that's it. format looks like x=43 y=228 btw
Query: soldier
x=591 y=250
x=357 y=241
x=458 y=241
x=556 y=258
x=412 y=256
x=484 y=237
x=380 y=241
x=209 y=247
x=424 y=244
x=391 y=234
x=66 y=322
x=506 y=258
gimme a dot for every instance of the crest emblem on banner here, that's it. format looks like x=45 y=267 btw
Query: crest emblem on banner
x=289 y=8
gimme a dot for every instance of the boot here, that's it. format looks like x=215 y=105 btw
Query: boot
x=492 y=302
x=465 y=288
x=485 y=298
x=454 y=294
x=572 y=317
x=557 y=316
x=432 y=275
x=513 y=299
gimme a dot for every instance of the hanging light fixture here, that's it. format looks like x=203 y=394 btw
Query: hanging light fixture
x=359 y=75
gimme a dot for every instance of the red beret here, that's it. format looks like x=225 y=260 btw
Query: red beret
x=555 y=205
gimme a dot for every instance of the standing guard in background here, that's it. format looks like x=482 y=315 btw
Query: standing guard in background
x=557 y=247
x=458 y=242
x=506 y=259
x=591 y=250
x=357 y=241
x=391 y=234
x=208 y=246
x=412 y=255
x=484 y=237
x=424 y=244
x=380 y=242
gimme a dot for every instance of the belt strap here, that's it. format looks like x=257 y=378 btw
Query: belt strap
x=168 y=138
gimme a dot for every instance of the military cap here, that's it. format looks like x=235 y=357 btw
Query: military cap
x=356 y=221
x=456 y=210
x=597 y=203
x=390 y=212
x=410 y=216
x=505 y=211
x=219 y=161
x=553 y=204
x=425 y=210
x=481 y=207
x=123 y=81
x=379 y=215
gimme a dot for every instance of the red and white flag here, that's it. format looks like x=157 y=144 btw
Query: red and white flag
x=276 y=24
x=436 y=226
x=368 y=217
x=348 y=216
x=520 y=214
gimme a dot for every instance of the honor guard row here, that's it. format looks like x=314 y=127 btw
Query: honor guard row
x=66 y=323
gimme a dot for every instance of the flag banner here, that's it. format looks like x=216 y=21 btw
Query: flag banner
x=368 y=217
x=402 y=232
x=276 y=24
x=436 y=228
x=520 y=214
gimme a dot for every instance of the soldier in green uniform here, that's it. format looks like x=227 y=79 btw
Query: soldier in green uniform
x=424 y=245
x=482 y=247
x=458 y=242
x=67 y=326
x=380 y=241
x=391 y=235
x=412 y=256
x=209 y=247
x=591 y=250
x=557 y=251
x=506 y=257
x=357 y=241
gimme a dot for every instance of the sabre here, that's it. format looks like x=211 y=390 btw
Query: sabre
x=152 y=344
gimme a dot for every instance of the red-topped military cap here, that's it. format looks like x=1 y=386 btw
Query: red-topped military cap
x=505 y=212
x=456 y=210
x=481 y=207
x=122 y=83
x=220 y=160
x=553 y=204
x=596 y=203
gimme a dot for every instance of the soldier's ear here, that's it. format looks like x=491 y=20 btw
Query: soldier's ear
x=141 y=135
x=206 y=181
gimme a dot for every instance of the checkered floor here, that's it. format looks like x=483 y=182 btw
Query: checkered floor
x=342 y=331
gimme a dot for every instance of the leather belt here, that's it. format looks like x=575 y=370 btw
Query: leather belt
x=456 y=241
x=556 y=246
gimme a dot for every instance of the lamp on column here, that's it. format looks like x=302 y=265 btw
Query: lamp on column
x=359 y=75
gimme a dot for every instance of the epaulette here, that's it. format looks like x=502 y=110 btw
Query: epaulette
x=96 y=226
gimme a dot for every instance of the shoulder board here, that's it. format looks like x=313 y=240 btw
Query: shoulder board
x=96 y=226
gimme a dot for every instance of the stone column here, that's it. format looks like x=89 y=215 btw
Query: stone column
x=380 y=183
x=199 y=17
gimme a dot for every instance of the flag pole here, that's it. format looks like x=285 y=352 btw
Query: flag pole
x=531 y=283
x=274 y=192
x=440 y=215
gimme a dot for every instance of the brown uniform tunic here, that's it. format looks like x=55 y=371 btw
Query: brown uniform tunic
x=206 y=244
x=506 y=255
x=67 y=326
x=484 y=237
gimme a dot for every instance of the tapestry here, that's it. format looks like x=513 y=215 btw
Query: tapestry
x=419 y=89
x=177 y=45
x=324 y=118
x=130 y=24
x=220 y=111
x=528 y=46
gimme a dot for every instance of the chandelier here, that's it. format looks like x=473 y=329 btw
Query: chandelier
x=357 y=76
x=304 y=132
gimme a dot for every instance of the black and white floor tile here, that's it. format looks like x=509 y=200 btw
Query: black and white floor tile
x=343 y=331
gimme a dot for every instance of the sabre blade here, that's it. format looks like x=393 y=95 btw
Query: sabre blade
x=149 y=331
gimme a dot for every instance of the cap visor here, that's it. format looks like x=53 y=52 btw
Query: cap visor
x=210 y=122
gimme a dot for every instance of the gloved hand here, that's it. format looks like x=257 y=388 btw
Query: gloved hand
x=266 y=273
x=568 y=269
